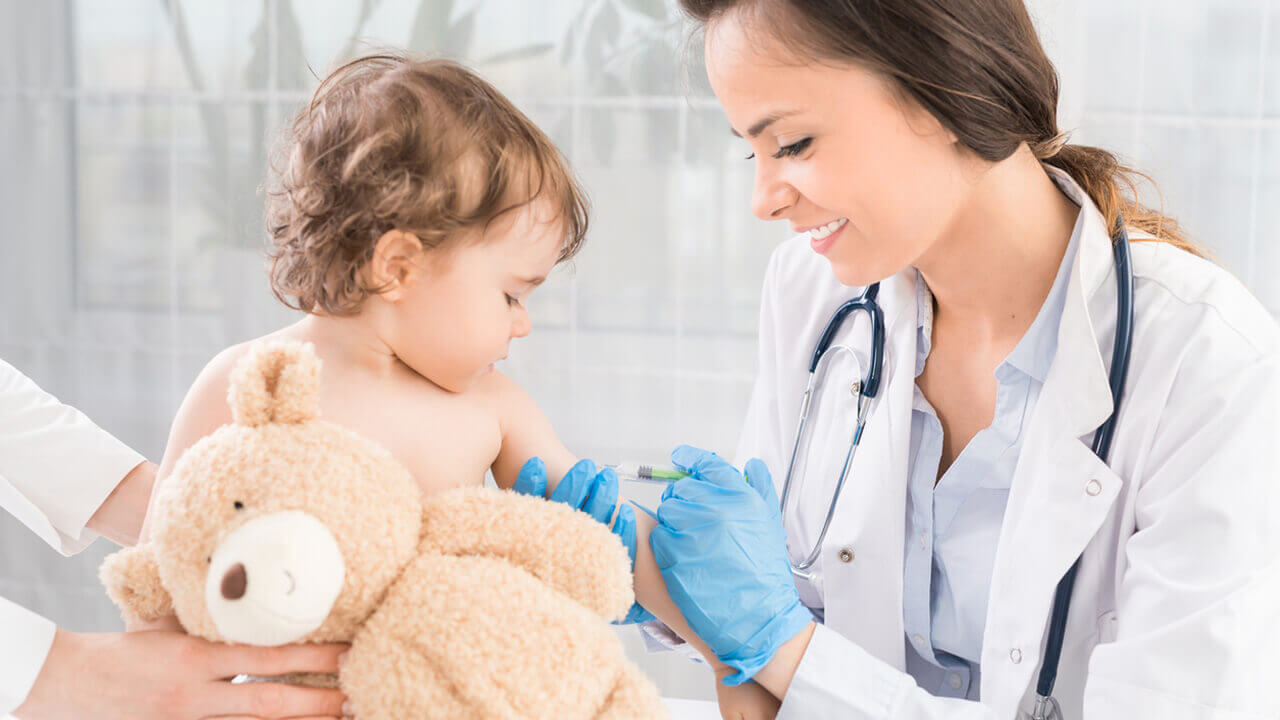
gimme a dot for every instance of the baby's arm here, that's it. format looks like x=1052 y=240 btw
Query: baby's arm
x=527 y=433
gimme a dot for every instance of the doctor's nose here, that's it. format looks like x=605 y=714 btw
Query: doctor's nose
x=770 y=199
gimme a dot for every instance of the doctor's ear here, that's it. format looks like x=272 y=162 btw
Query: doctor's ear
x=398 y=258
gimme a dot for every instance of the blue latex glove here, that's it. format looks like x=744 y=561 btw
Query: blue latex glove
x=596 y=494
x=722 y=550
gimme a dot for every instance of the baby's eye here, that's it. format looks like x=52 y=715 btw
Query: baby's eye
x=793 y=149
x=238 y=505
x=512 y=300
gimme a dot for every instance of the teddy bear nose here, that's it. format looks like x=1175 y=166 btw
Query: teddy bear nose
x=235 y=582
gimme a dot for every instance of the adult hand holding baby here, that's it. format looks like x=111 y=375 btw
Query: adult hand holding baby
x=164 y=675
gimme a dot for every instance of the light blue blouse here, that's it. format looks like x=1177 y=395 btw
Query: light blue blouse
x=952 y=529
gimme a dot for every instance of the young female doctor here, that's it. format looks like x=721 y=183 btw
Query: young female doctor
x=913 y=143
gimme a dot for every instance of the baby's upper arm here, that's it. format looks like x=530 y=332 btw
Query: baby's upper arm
x=203 y=410
x=526 y=433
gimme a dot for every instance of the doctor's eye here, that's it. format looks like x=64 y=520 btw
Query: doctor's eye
x=794 y=148
x=752 y=156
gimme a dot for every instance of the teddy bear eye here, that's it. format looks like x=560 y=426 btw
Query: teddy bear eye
x=239 y=505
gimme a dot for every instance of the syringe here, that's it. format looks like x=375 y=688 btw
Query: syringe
x=646 y=473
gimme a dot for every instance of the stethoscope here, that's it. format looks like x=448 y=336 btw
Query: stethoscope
x=866 y=389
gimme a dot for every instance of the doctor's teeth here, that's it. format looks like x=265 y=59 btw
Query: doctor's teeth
x=824 y=230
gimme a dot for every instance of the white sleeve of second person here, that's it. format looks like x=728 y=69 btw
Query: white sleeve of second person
x=56 y=466
x=25 y=639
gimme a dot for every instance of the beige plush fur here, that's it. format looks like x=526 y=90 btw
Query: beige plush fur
x=475 y=603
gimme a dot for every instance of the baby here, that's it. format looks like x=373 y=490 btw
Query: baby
x=415 y=212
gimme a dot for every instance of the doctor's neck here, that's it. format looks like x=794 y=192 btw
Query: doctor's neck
x=994 y=264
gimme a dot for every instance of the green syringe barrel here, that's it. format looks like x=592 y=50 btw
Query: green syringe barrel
x=647 y=473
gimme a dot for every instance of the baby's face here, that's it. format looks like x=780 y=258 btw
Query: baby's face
x=459 y=316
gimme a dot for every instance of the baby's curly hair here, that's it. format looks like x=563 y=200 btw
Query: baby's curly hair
x=390 y=142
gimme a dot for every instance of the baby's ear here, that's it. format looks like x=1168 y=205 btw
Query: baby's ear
x=132 y=579
x=394 y=262
x=560 y=546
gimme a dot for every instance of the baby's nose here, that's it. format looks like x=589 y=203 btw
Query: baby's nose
x=235 y=582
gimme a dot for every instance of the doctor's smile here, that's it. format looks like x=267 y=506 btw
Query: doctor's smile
x=822 y=237
x=920 y=393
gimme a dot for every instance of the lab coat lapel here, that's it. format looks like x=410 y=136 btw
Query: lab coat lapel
x=1061 y=492
x=865 y=595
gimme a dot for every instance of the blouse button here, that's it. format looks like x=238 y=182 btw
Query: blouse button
x=1093 y=487
x=846 y=555
x=1015 y=656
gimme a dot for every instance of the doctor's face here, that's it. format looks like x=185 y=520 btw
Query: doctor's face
x=837 y=149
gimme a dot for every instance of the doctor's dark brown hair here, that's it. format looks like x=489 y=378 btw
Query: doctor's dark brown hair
x=389 y=142
x=975 y=65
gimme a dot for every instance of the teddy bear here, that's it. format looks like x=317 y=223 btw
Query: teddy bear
x=473 y=603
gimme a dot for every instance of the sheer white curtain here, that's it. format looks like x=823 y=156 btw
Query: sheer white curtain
x=135 y=135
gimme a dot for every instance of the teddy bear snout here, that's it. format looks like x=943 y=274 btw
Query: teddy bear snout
x=235 y=582
x=274 y=579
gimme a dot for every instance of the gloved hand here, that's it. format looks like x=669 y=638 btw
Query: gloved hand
x=722 y=550
x=596 y=494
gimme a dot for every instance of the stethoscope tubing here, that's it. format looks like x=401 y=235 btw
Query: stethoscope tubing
x=867 y=388
x=1101 y=447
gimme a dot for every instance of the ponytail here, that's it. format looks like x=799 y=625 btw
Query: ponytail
x=1113 y=187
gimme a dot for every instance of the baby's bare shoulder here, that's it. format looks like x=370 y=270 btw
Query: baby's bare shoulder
x=503 y=396
x=204 y=409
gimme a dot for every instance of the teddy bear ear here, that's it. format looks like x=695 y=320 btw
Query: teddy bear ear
x=276 y=381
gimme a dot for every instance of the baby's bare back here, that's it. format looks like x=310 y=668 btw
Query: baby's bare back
x=444 y=439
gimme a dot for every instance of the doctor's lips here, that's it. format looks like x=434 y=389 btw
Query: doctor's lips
x=822 y=237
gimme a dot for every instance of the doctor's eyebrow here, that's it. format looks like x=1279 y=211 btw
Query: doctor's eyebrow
x=765 y=122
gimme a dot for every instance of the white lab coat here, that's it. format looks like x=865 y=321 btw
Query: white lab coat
x=1176 y=609
x=56 y=470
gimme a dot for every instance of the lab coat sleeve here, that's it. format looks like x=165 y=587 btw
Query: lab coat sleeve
x=837 y=680
x=1198 y=605
x=56 y=466
x=25 y=640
